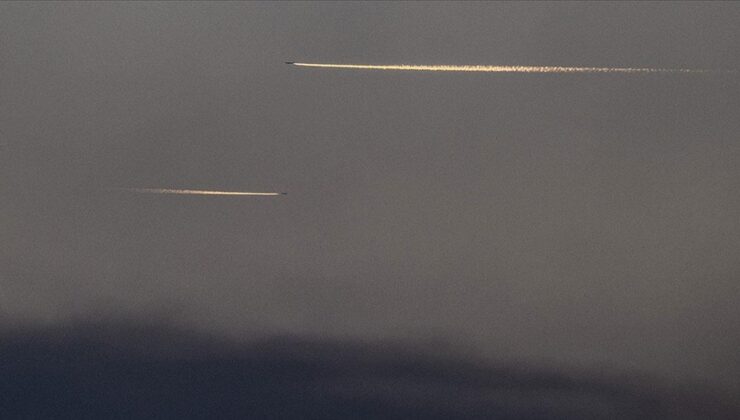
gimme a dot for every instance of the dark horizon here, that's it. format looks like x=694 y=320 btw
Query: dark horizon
x=137 y=369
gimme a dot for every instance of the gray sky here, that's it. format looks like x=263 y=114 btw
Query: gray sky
x=590 y=220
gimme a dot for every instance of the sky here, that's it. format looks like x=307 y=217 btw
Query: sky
x=582 y=220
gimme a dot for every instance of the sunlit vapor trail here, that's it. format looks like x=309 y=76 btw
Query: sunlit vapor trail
x=193 y=192
x=500 y=69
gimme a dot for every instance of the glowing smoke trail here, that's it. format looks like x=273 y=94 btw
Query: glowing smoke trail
x=501 y=69
x=193 y=192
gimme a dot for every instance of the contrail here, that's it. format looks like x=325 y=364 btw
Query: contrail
x=193 y=192
x=500 y=69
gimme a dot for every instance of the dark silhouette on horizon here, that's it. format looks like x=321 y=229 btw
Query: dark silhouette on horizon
x=120 y=370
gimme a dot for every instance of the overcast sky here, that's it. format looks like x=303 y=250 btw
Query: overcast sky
x=586 y=220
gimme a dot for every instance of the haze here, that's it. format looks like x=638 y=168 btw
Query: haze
x=583 y=220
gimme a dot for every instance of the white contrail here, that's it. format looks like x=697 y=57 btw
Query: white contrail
x=499 y=69
x=193 y=192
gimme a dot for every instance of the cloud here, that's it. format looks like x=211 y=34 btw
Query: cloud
x=140 y=370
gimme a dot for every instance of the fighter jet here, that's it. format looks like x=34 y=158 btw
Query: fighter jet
x=290 y=62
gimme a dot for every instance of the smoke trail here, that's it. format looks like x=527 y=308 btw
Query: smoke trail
x=502 y=69
x=193 y=192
